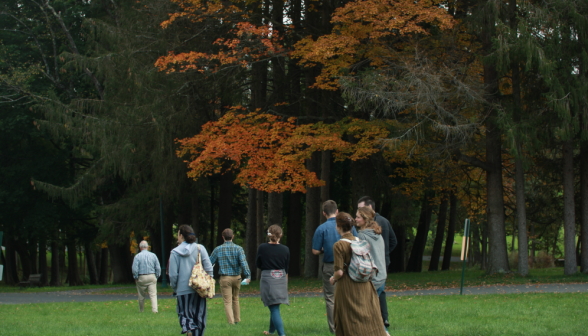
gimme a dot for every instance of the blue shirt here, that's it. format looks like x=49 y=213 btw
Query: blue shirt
x=231 y=260
x=146 y=262
x=325 y=237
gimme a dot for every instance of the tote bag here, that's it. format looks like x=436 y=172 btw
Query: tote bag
x=200 y=281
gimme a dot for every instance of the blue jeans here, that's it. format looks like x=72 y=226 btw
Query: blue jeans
x=380 y=291
x=276 y=320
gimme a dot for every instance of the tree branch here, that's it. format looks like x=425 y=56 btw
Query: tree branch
x=472 y=160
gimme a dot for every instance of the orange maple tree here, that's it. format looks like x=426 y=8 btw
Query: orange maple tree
x=269 y=154
x=364 y=30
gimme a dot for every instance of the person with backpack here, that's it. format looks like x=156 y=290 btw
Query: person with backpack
x=371 y=232
x=323 y=240
x=357 y=309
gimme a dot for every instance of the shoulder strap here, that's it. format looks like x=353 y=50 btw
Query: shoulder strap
x=349 y=241
x=199 y=259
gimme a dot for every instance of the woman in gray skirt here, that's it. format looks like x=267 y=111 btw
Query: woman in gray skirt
x=273 y=259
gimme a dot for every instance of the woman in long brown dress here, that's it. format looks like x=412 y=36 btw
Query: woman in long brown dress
x=357 y=308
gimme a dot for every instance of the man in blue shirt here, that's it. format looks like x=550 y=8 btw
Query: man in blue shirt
x=324 y=238
x=232 y=261
x=146 y=270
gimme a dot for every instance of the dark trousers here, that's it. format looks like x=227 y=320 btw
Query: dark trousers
x=383 y=306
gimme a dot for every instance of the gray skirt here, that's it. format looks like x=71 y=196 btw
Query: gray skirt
x=274 y=287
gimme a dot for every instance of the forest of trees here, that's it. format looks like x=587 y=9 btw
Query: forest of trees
x=117 y=116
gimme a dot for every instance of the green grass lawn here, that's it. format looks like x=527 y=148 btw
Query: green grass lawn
x=517 y=314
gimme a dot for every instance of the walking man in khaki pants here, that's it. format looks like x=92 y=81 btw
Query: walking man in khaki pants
x=146 y=270
x=232 y=262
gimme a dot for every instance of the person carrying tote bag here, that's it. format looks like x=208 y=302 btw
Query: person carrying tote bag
x=191 y=306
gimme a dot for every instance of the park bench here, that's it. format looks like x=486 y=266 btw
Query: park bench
x=34 y=280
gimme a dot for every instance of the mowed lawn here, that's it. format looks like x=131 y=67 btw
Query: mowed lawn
x=522 y=314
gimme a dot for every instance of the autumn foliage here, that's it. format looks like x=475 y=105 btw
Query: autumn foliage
x=269 y=154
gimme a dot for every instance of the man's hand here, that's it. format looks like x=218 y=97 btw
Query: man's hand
x=248 y=281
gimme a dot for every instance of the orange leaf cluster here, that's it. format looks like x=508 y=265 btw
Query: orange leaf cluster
x=362 y=31
x=269 y=154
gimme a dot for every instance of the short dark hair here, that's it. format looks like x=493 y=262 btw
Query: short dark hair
x=228 y=234
x=330 y=207
x=188 y=233
x=368 y=202
x=344 y=221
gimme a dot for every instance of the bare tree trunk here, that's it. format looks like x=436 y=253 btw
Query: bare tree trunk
x=195 y=214
x=212 y=220
x=312 y=221
x=261 y=232
x=398 y=255
x=43 y=269
x=415 y=262
x=251 y=235
x=91 y=261
x=441 y=219
x=120 y=264
x=584 y=206
x=295 y=233
x=225 y=205
x=55 y=275
x=325 y=176
x=33 y=255
x=450 y=232
x=476 y=244
x=532 y=244
x=523 y=267
x=569 y=209
x=23 y=252
x=73 y=274
x=362 y=176
x=10 y=266
x=104 y=266
x=274 y=209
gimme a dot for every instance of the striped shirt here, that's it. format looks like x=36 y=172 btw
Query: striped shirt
x=146 y=262
x=231 y=259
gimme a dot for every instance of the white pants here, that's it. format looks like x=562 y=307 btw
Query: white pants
x=147 y=284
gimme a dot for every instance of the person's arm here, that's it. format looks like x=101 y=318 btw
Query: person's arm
x=135 y=268
x=338 y=263
x=258 y=262
x=173 y=271
x=244 y=265
x=317 y=242
x=392 y=241
x=287 y=259
x=214 y=256
x=205 y=260
x=157 y=266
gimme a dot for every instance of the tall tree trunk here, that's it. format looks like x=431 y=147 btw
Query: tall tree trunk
x=484 y=247
x=584 y=206
x=91 y=261
x=55 y=269
x=11 y=272
x=325 y=176
x=212 y=220
x=362 y=177
x=398 y=255
x=532 y=244
x=312 y=221
x=194 y=216
x=476 y=243
x=225 y=205
x=441 y=219
x=274 y=209
x=295 y=233
x=33 y=251
x=569 y=209
x=119 y=260
x=415 y=262
x=261 y=232
x=251 y=233
x=450 y=232
x=103 y=280
x=73 y=274
x=43 y=269
x=23 y=252
x=523 y=267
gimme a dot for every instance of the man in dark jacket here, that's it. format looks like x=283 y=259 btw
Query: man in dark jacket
x=390 y=243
